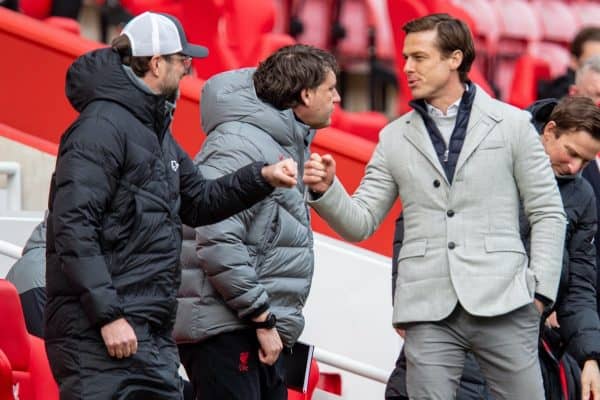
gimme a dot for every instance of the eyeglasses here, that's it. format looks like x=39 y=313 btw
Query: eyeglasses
x=185 y=60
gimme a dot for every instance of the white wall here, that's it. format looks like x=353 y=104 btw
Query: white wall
x=349 y=311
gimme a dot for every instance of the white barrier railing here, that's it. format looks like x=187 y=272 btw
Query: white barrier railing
x=350 y=365
x=13 y=184
x=10 y=250
x=322 y=356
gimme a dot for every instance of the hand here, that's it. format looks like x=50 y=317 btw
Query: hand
x=590 y=380
x=400 y=332
x=552 y=321
x=269 y=341
x=319 y=172
x=539 y=306
x=282 y=174
x=119 y=338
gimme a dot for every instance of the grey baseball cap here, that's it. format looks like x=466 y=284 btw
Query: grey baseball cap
x=153 y=34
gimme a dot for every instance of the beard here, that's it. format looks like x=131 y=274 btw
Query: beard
x=171 y=93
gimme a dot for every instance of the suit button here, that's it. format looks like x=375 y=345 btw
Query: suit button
x=450 y=213
x=436 y=183
x=451 y=245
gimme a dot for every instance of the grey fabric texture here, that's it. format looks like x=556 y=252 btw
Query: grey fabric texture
x=261 y=258
x=29 y=272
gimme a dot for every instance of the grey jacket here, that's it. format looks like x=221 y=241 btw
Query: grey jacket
x=461 y=241
x=28 y=275
x=261 y=258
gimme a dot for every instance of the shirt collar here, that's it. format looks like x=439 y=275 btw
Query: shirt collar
x=451 y=112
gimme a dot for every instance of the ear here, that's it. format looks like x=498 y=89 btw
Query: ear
x=550 y=130
x=573 y=90
x=456 y=59
x=306 y=96
x=155 y=65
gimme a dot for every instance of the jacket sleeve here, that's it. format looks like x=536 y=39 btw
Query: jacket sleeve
x=396 y=247
x=356 y=218
x=543 y=207
x=222 y=248
x=86 y=176
x=207 y=201
x=576 y=312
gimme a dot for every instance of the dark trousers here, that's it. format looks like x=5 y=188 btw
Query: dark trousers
x=226 y=367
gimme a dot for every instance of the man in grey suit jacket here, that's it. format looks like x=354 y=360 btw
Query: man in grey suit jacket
x=461 y=162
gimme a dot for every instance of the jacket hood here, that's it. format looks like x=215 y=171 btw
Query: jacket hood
x=37 y=238
x=230 y=96
x=540 y=112
x=99 y=75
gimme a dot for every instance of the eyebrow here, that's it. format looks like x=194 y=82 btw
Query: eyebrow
x=578 y=154
x=414 y=53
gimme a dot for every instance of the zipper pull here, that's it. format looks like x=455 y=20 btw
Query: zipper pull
x=446 y=152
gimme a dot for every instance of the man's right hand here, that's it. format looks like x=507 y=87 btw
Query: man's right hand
x=282 y=174
x=319 y=172
x=119 y=338
x=269 y=342
x=270 y=345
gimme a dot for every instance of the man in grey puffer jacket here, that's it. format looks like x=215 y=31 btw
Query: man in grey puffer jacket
x=245 y=280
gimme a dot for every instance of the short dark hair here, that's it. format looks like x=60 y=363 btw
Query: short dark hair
x=588 y=34
x=576 y=113
x=452 y=34
x=139 y=65
x=280 y=79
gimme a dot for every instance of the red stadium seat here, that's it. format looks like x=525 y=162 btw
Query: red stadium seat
x=366 y=124
x=519 y=28
x=557 y=20
x=135 y=7
x=238 y=33
x=313 y=379
x=528 y=70
x=31 y=377
x=6 y=387
x=41 y=9
x=588 y=12
x=486 y=33
x=360 y=19
x=315 y=18
x=38 y=9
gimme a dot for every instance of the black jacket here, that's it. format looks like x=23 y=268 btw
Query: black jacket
x=592 y=174
x=556 y=88
x=121 y=189
x=576 y=301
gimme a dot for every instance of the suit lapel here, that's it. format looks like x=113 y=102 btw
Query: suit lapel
x=418 y=136
x=480 y=125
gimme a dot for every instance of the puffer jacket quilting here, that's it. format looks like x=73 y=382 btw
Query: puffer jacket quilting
x=261 y=258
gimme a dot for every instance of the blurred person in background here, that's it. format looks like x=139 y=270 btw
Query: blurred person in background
x=585 y=45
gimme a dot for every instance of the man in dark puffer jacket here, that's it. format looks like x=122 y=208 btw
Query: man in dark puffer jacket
x=246 y=279
x=570 y=132
x=120 y=192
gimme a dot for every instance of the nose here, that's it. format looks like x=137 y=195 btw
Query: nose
x=408 y=66
x=336 y=96
x=575 y=166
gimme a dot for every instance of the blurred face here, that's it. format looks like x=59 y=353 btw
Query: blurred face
x=569 y=152
x=589 y=49
x=174 y=68
x=319 y=103
x=588 y=85
x=430 y=75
